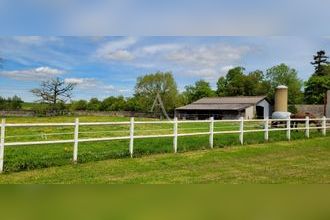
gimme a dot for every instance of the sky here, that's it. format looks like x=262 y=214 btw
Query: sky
x=106 y=66
x=159 y=18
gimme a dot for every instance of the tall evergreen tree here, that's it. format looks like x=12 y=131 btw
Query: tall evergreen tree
x=319 y=82
x=320 y=59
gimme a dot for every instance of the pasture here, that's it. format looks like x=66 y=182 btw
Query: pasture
x=41 y=156
x=299 y=161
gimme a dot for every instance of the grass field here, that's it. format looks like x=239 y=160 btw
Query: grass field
x=42 y=156
x=300 y=161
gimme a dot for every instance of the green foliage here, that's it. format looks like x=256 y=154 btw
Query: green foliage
x=133 y=104
x=284 y=75
x=293 y=109
x=11 y=103
x=319 y=82
x=94 y=104
x=236 y=83
x=149 y=85
x=80 y=105
x=320 y=62
x=113 y=104
x=316 y=88
x=197 y=91
x=47 y=109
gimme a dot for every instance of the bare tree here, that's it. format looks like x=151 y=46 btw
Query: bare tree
x=54 y=91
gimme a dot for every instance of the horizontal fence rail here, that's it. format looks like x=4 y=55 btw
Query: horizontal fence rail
x=267 y=126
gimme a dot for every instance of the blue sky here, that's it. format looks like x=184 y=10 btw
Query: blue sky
x=159 y=18
x=104 y=66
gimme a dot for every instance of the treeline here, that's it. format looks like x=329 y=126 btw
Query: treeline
x=10 y=103
x=237 y=82
x=111 y=103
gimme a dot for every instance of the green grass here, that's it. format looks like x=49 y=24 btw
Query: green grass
x=35 y=157
x=300 y=161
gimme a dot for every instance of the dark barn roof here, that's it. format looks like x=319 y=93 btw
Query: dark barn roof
x=224 y=103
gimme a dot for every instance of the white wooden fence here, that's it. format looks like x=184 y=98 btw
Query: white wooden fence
x=266 y=129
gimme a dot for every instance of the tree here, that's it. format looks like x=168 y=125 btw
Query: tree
x=236 y=83
x=80 y=105
x=319 y=82
x=284 y=75
x=113 y=104
x=320 y=60
x=197 y=91
x=54 y=91
x=232 y=84
x=94 y=104
x=149 y=85
x=11 y=103
x=316 y=88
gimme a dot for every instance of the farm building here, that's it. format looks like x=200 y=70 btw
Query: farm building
x=226 y=108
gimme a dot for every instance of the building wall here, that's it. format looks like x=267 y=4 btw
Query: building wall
x=206 y=114
x=266 y=107
x=317 y=110
x=249 y=112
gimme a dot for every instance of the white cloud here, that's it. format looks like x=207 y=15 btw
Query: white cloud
x=39 y=73
x=34 y=40
x=206 y=61
x=225 y=69
x=93 y=86
x=152 y=49
x=208 y=56
x=117 y=50
x=83 y=82
x=203 y=73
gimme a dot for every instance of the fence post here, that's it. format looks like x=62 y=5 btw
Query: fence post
x=241 y=129
x=211 y=131
x=2 y=143
x=288 y=128
x=324 y=126
x=76 y=136
x=131 y=133
x=266 y=129
x=175 y=139
x=307 y=127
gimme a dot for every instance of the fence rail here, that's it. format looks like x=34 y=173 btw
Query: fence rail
x=268 y=126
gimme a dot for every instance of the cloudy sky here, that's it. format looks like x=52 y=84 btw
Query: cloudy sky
x=104 y=66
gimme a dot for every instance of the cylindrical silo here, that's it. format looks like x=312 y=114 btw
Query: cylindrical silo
x=281 y=99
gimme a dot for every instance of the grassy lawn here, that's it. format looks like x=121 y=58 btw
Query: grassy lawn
x=35 y=157
x=300 y=161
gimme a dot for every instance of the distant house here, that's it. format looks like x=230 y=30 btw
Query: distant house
x=234 y=107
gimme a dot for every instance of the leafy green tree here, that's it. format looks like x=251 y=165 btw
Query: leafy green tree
x=319 y=82
x=94 y=104
x=236 y=83
x=317 y=86
x=133 y=104
x=197 y=91
x=284 y=75
x=11 y=103
x=232 y=84
x=113 y=104
x=149 y=85
x=80 y=105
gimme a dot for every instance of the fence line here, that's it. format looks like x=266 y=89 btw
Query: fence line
x=287 y=123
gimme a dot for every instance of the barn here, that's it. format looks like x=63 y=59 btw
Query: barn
x=233 y=107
